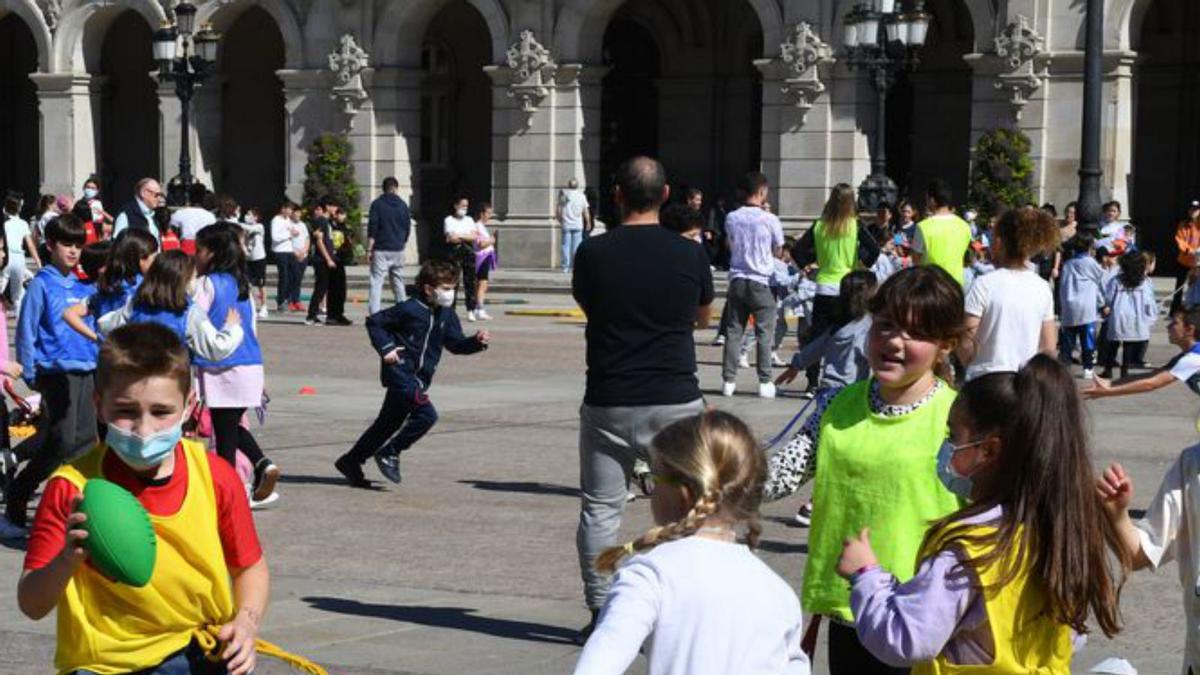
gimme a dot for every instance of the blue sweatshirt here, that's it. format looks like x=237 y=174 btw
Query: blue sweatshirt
x=421 y=331
x=45 y=343
x=389 y=222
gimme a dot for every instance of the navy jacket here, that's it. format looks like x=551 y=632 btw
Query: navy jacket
x=389 y=222
x=421 y=331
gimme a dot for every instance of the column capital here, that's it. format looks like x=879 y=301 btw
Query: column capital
x=300 y=80
x=61 y=82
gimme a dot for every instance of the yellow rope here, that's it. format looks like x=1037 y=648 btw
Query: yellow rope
x=207 y=639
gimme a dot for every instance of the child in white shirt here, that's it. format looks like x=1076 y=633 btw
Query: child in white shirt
x=700 y=601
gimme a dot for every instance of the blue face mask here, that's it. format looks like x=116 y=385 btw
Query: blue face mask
x=956 y=483
x=144 y=452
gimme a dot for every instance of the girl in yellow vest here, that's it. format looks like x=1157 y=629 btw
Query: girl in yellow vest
x=1005 y=584
x=873 y=454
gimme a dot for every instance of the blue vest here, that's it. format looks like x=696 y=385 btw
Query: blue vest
x=225 y=297
x=177 y=322
x=103 y=303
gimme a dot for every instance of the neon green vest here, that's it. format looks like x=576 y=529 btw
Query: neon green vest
x=876 y=472
x=946 y=239
x=835 y=255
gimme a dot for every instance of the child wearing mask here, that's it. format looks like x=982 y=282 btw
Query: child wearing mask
x=409 y=338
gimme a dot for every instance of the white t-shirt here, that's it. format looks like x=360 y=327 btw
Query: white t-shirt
x=15 y=231
x=483 y=241
x=1171 y=531
x=458 y=227
x=574 y=203
x=255 y=232
x=300 y=242
x=702 y=607
x=190 y=220
x=1011 y=305
x=281 y=234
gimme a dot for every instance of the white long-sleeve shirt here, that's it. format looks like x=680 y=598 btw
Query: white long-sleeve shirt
x=203 y=338
x=281 y=235
x=703 y=607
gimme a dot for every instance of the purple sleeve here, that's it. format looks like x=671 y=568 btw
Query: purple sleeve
x=909 y=623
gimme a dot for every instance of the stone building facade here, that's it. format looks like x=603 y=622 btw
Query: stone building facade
x=506 y=100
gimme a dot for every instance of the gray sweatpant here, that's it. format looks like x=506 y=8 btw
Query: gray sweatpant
x=610 y=440
x=385 y=265
x=745 y=299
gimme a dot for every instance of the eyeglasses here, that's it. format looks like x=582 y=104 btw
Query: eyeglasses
x=965 y=446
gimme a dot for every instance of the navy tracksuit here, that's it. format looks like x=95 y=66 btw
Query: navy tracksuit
x=421 y=331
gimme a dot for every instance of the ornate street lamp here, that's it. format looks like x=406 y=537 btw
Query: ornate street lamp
x=187 y=59
x=1089 y=156
x=885 y=40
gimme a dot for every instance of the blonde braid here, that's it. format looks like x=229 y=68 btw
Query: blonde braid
x=705 y=507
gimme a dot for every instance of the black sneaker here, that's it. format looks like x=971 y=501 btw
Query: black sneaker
x=804 y=515
x=313 y=321
x=389 y=466
x=351 y=472
x=266 y=475
x=584 y=633
x=339 y=321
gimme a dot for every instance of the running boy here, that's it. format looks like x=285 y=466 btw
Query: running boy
x=409 y=337
x=57 y=361
x=210 y=579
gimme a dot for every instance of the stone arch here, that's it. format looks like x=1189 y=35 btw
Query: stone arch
x=401 y=31
x=1124 y=19
x=222 y=16
x=32 y=16
x=83 y=24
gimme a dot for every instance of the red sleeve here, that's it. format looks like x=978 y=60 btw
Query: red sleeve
x=48 y=535
x=239 y=539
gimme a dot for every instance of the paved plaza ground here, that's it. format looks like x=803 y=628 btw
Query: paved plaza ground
x=469 y=566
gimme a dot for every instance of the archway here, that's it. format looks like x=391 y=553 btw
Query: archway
x=929 y=110
x=682 y=72
x=456 y=115
x=1166 y=162
x=253 y=120
x=19 y=157
x=129 y=115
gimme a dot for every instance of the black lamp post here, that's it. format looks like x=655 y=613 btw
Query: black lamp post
x=187 y=59
x=1089 y=156
x=885 y=40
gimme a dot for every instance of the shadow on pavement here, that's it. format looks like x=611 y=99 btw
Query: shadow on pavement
x=781 y=547
x=301 y=479
x=459 y=618
x=522 y=486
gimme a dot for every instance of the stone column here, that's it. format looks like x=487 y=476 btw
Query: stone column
x=306 y=102
x=387 y=137
x=206 y=132
x=68 y=147
x=169 y=141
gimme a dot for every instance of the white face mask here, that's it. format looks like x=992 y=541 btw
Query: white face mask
x=459 y=213
x=444 y=297
x=90 y=193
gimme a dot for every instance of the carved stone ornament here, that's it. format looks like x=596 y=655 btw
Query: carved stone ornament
x=532 y=72
x=1019 y=45
x=51 y=12
x=168 y=8
x=802 y=52
x=347 y=64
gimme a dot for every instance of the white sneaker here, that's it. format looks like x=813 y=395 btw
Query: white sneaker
x=727 y=388
x=255 y=505
x=804 y=515
x=1089 y=374
x=719 y=341
x=630 y=497
x=776 y=361
x=9 y=532
x=744 y=361
x=766 y=390
x=262 y=312
x=482 y=315
x=471 y=316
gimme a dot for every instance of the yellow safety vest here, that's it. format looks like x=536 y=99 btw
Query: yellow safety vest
x=836 y=256
x=108 y=627
x=946 y=238
x=1027 y=640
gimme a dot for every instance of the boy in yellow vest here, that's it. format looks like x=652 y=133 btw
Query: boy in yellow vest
x=210 y=578
x=942 y=238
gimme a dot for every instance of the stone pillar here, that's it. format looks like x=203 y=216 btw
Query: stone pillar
x=169 y=143
x=206 y=132
x=68 y=147
x=306 y=102
x=387 y=136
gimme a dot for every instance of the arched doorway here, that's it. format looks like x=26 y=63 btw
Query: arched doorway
x=456 y=116
x=253 y=120
x=129 y=116
x=1166 y=164
x=929 y=110
x=19 y=157
x=682 y=87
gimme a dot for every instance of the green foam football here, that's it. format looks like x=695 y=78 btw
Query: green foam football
x=121 y=541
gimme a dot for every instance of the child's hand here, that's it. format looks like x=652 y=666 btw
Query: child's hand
x=1116 y=491
x=856 y=554
x=239 y=636
x=73 y=552
x=1097 y=389
x=233 y=317
x=787 y=376
x=393 y=357
x=484 y=337
x=13 y=370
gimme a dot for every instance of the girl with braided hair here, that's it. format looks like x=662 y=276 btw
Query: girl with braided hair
x=700 y=601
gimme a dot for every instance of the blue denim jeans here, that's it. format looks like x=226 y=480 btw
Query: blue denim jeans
x=570 y=241
x=187 y=661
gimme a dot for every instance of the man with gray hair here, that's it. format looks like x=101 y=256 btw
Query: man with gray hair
x=138 y=214
x=574 y=218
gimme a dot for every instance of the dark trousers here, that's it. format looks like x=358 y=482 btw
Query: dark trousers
x=298 y=268
x=847 y=656
x=1181 y=276
x=285 y=264
x=1085 y=336
x=824 y=311
x=335 y=302
x=70 y=432
x=1133 y=353
x=464 y=255
x=230 y=436
x=320 y=288
x=407 y=415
